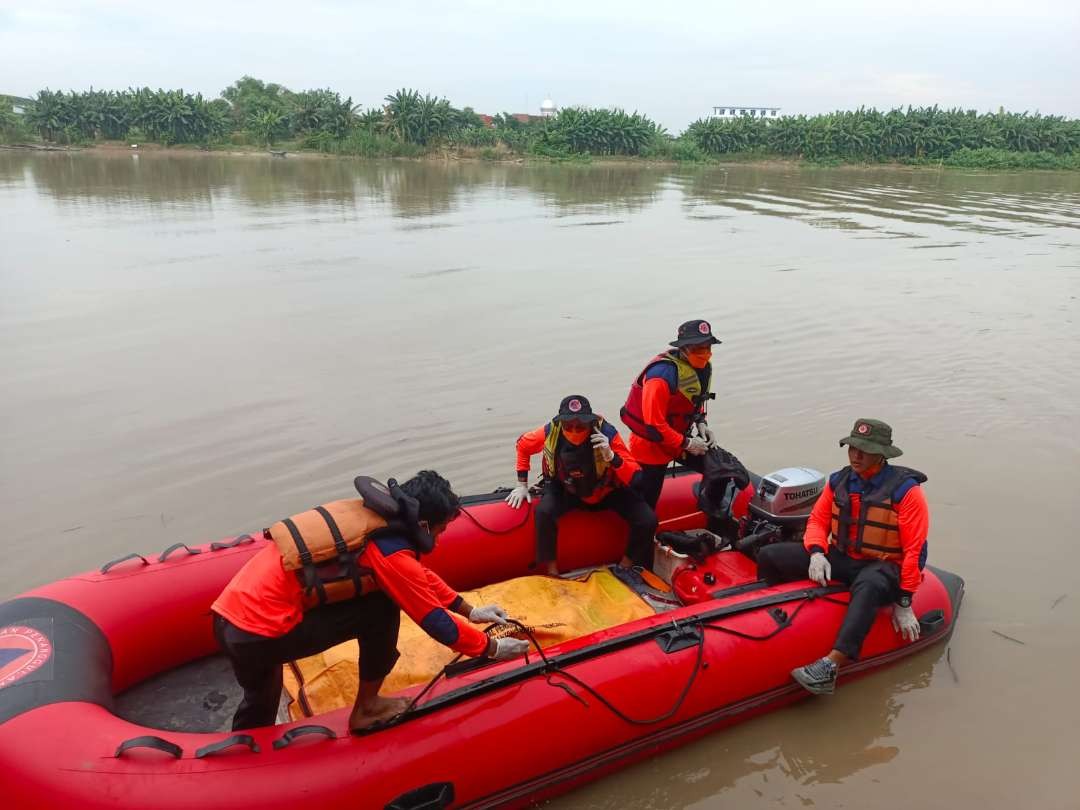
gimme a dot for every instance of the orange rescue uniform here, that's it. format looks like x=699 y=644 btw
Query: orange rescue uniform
x=912 y=522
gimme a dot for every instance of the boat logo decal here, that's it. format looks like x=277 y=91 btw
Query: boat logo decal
x=23 y=650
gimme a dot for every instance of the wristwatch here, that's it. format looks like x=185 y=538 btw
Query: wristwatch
x=904 y=601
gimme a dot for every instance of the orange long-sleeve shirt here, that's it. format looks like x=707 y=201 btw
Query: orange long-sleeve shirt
x=623 y=465
x=913 y=516
x=265 y=599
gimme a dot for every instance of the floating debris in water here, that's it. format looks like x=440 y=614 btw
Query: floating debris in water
x=948 y=660
x=1009 y=638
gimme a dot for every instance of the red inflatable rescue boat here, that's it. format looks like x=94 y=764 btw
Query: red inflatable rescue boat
x=485 y=734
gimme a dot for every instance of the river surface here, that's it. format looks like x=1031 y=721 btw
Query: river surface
x=192 y=346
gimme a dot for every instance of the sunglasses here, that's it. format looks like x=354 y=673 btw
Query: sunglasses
x=573 y=425
x=706 y=349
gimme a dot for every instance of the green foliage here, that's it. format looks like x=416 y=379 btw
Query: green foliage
x=251 y=111
x=13 y=128
x=870 y=135
x=1005 y=159
x=598 y=132
x=267 y=126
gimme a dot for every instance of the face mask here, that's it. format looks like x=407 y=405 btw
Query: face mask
x=575 y=436
x=698 y=359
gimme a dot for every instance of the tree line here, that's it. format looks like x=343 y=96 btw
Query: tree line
x=253 y=112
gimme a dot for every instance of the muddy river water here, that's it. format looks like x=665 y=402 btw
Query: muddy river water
x=192 y=346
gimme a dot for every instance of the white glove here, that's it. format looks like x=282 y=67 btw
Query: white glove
x=705 y=432
x=696 y=446
x=905 y=623
x=600 y=442
x=509 y=647
x=488 y=614
x=820 y=569
x=519 y=495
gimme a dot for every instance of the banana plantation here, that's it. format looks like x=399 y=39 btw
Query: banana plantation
x=407 y=123
x=869 y=135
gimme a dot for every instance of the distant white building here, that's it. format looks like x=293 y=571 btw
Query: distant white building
x=733 y=111
x=548 y=108
x=18 y=105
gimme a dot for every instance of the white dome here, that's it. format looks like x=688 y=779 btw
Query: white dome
x=547 y=104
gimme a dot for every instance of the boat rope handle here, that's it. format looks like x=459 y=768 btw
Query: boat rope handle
x=149 y=741
x=132 y=556
x=176 y=547
x=300 y=731
x=241 y=540
x=228 y=742
x=552 y=668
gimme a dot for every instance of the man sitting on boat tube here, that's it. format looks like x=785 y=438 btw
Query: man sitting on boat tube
x=868 y=529
x=665 y=409
x=341 y=571
x=585 y=465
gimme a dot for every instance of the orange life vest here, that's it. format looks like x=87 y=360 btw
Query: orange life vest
x=323 y=546
x=877 y=532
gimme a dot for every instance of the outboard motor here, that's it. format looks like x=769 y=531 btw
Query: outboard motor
x=780 y=508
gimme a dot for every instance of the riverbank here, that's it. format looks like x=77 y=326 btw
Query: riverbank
x=977 y=159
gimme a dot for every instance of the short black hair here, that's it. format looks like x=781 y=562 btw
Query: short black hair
x=438 y=503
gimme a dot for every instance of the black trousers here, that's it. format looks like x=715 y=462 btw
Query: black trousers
x=873 y=583
x=652 y=477
x=372 y=620
x=626 y=503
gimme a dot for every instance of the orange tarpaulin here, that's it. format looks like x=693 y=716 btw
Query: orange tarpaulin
x=554 y=609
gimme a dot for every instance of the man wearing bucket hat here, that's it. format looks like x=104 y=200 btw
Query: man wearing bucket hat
x=665 y=410
x=868 y=530
x=586 y=466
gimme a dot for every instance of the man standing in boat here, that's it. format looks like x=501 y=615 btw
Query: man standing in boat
x=586 y=466
x=868 y=529
x=665 y=410
x=342 y=571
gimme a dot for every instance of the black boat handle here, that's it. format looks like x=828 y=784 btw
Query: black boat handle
x=176 y=547
x=435 y=796
x=300 y=731
x=150 y=741
x=228 y=742
x=132 y=556
x=242 y=540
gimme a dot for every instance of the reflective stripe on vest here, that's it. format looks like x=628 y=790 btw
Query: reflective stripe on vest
x=687 y=402
x=323 y=546
x=877 y=532
x=551 y=444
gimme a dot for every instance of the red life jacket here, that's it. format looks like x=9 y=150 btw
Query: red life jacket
x=684 y=406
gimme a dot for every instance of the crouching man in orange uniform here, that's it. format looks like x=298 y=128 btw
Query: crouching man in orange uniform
x=341 y=571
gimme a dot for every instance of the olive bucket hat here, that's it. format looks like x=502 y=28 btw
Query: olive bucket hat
x=872 y=436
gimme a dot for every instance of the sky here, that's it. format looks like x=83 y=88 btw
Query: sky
x=673 y=61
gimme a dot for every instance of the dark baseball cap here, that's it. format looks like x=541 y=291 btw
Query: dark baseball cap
x=693 y=333
x=577 y=407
